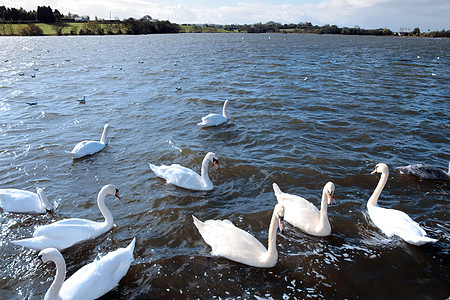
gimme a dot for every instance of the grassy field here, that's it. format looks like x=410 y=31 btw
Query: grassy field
x=14 y=29
x=74 y=28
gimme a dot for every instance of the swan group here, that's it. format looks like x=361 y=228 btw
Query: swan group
x=187 y=178
x=20 y=201
x=65 y=233
x=225 y=239
x=92 y=280
x=88 y=147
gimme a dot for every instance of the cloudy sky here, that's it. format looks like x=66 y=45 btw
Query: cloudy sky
x=368 y=14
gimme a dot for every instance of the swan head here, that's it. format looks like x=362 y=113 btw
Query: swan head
x=279 y=212
x=328 y=189
x=381 y=168
x=213 y=158
x=49 y=254
x=110 y=189
x=45 y=203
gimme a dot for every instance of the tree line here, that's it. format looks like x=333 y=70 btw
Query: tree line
x=307 y=27
x=147 y=25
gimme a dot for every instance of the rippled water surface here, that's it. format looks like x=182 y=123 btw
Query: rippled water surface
x=304 y=110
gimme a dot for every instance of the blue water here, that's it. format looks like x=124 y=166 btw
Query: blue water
x=304 y=110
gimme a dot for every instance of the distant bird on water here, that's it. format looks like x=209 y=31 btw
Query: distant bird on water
x=82 y=100
x=424 y=171
x=32 y=103
x=215 y=119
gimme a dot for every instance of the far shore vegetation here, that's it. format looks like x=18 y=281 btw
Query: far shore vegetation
x=46 y=21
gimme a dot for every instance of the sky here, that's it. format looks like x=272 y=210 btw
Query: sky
x=368 y=14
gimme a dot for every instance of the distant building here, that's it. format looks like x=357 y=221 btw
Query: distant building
x=81 y=19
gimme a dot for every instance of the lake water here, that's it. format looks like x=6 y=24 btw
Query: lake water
x=304 y=110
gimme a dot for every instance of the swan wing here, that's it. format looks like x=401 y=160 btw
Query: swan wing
x=180 y=176
x=231 y=242
x=99 y=277
x=395 y=222
x=299 y=212
x=86 y=148
x=212 y=120
x=62 y=234
x=20 y=201
x=78 y=229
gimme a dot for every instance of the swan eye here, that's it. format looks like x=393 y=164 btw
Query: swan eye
x=215 y=160
x=117 y=191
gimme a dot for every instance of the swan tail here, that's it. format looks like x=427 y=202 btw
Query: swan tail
x=276 y=190
x=199 y=224
x=422 y=240
x=124 y=265
x=130 y=247
x=154 y=168
x=33 y=243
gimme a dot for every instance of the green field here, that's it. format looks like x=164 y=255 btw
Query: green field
x=74 y=28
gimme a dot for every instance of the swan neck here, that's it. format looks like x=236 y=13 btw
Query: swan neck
x=224 y=112
x=104 y=138
x=55 y=287
x=204 y=172
x=109 y=221
x=272 y=238
x=376 y=193
x=324 y=207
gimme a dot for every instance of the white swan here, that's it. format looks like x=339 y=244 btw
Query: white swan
x=20 y=201
x=391 y=221
x=424 y=171
x=215 y=119
x=92 y=280
x=228 y=241
x=65 y=233
x=90 y=147
x=303 y=214
x=186 y=178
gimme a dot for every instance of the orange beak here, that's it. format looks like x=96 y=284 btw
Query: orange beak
x=216 y=164
x=373 y=172
x=330 y=199
x=117 y=194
